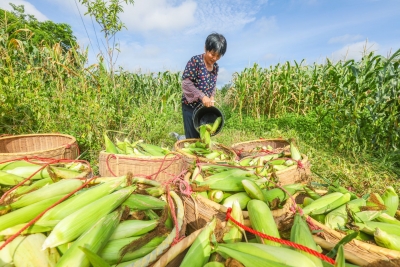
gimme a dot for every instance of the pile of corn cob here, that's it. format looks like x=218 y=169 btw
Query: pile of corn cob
x=225 y=184
x=40 y=173
x=225 y=244
x=137 y=148
x=374 y=216
x=266 y=163
x=108 y=223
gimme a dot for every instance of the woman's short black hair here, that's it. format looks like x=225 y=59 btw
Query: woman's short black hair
x=216 y=42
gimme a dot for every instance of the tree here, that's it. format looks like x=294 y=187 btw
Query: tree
x=46 y=32
x=106 y=13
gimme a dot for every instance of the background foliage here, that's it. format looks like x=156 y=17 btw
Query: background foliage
x=344 y=115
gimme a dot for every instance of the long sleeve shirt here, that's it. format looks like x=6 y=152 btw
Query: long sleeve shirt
x=197 y=81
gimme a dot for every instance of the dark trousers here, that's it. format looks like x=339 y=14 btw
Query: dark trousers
x=187 y=114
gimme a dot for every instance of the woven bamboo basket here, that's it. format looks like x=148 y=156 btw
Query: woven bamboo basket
x=249 y=148
x=189 y=159
x=200 y=210
x=360 y=253
x=56 y=146
x=158 y=168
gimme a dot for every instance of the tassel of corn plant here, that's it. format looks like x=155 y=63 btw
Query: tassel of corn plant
x=78 y=222
x=95 y=238
x=301 y=234
x=199 y=252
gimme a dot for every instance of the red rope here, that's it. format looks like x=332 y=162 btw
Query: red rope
x=11 y=238
x=278 y=240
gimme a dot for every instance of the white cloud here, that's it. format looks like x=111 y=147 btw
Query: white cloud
x=29 y=8
x=224 y=77
x=347 y=38
x=159 y=15
x=354 y=51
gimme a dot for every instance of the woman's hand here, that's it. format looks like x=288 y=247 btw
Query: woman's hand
x=207 y=101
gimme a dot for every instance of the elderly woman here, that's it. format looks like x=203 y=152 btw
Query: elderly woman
x=199 y=80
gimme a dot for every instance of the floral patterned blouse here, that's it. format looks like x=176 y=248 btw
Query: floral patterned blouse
x=203 y=79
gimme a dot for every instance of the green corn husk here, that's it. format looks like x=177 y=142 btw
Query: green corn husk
x=131 y=228
x=321 y=204
x=11 y=179
x=214 y=264
x=386 y=218
x=391 y=200
x=28 y=171
x=294 y=151
x=199 y=252
x=94 y=259
x=311 y=193
x=261 y=220
x=34 y=186
x=110 y=146
x=253 y=190
x=18 y=163
x=82 y=199
x=241 y=197
x=375 y=200
x=26 y=214
x=370 y=226
x=111 y=252
x=277 y=195
x=384 y=239
x=62 y=187
x=340 y=260
x=307 y=201
x=65 y=173
x=33 y=229
x=366 y=215
x=301 y=234
x=338 y=217
x=258 y=255
x=78 y=222
x=234 y=233
x=144 y=202
x=95 y=238
x=216 y=125
x=28 y=252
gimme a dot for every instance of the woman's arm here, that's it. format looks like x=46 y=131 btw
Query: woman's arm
x=191 y=92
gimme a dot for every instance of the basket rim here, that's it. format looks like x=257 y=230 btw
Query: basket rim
x=71 y=142
x=259 y=141
x=122 y=156
x=179 y=150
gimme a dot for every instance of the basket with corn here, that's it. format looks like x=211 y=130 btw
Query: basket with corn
x=215 y=188
x=101 y=222
x=373 y=219
x=139 y=157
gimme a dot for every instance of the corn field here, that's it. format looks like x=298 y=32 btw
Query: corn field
x=360 y=100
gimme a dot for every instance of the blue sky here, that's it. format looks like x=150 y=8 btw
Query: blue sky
x=163 y=34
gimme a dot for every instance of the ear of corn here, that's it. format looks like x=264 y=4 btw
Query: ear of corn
x=11 y=179
x=241 y=197
x=214 y=264
x=35 y=228
x=34 y=186
x=322 y=203
x=216 y=195
x=375 y=200
x=307 y=201
x=144 y=202
x=282 y=255
x=29 y=252
x=14 y=164
x=277 y=194
x=384 y=239
x=25 y=214
x=301 y=234
x=252 y=190
x=65 y=173
x=131 y=228
x=248 y=260
x=110 y=146
x=294 y=151
x=114 y=256
x=82 y=199
x=338 y=217
x=261 y=220
x=234 y=232
x=370 y=226
x=311 y=193
x=391 y=200
x=199 y=252
x=386 y=218
x=62 y=187
x=28 y=171
x=366 y=215
x=94 y=239
x=216 y=124
x=78 y=222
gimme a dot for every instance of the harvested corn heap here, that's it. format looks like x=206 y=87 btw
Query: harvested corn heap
x=111 y=220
